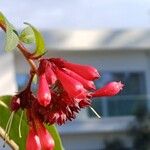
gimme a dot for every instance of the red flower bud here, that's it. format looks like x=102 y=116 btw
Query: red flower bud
x=46 y=139
x=33 y=141
x=15 y=103
x=86 y=71
x=73 y=87
x=86 y=83
x=109 y=89
x=50 y=76
x=43 y=93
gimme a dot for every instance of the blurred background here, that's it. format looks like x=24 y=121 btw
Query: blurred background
x=113 y=36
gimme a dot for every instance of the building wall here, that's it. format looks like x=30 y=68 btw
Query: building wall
x=102 y=60
x=7 y=77
x=92 y=141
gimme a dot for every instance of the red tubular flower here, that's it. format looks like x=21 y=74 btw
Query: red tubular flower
x=33 y=141
x=43 y=93
x=86 y=71
x=73 y=87
x=89 y=85
x=46 y=139
x=64 y=89
x=109 y=89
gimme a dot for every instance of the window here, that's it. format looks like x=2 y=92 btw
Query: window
x=132 y=96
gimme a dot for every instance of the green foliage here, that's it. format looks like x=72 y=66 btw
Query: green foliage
x=58 y=144
x=27 y=35
x=12 y=39
x=4 y=116
x=140 y=129
x=115 y=144
x=39 y=41
x=14 y=134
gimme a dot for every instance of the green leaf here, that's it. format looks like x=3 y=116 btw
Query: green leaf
x=58 y=144
x=27 y=35
x=12 y=39
x=4 y=116
x=39 y=41
x=14 y=134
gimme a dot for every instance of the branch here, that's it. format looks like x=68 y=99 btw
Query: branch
x=11 y=143
x=24 y=51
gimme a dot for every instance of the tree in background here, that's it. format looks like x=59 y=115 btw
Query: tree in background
x=140 y=130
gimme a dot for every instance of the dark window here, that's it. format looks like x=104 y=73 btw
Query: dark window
x=125 y=103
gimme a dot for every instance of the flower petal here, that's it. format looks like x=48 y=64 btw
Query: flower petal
x=71 y=86
x=89 y=85
x=86 y=71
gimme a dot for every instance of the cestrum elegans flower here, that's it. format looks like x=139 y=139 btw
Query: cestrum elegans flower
x=64 y=88
x=71 y=87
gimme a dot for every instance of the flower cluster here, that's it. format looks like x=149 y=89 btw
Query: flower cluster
x=64 y=88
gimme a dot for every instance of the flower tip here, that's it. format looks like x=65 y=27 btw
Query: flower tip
x=97 y=74
x=109 y=89
x=120 y=85
x=46 y=101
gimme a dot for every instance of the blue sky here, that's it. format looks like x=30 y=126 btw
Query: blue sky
x=78 y=14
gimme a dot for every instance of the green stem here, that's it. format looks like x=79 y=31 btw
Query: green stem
x=20 y=124
x=8 y=126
